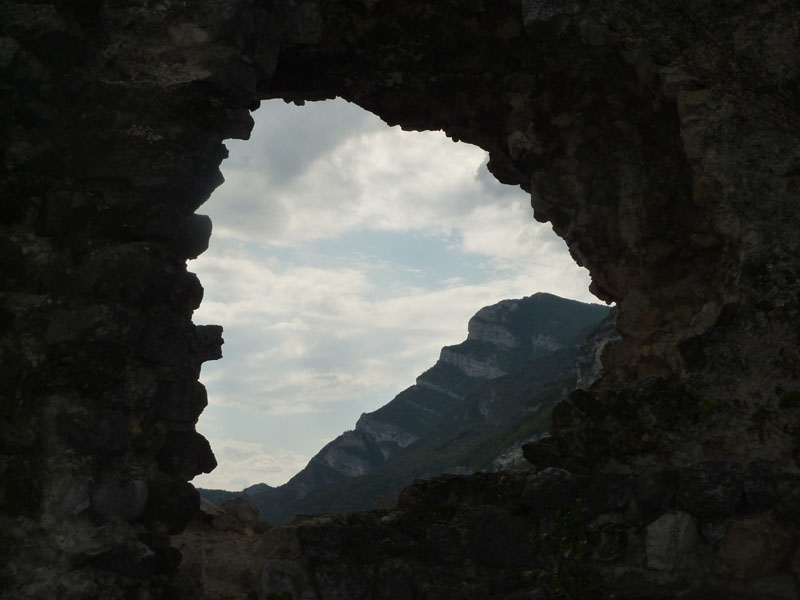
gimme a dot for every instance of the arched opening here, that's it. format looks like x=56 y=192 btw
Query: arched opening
x=345 y=255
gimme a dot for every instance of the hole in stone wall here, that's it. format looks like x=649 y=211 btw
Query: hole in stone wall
x=345 y=254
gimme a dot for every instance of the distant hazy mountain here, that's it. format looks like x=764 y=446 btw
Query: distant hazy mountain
x=471 y=411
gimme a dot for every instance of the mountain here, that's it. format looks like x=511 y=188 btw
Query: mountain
x=470 y=411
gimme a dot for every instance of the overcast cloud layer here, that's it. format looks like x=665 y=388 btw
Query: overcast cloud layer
x=345 y=254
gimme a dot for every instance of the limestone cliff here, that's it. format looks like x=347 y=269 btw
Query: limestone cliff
x=659 y=138
x=446 y=405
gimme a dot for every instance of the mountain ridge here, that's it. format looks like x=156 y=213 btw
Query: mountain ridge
x=539 y=334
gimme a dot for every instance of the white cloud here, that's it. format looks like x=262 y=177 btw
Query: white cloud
x=287 y=139
x=373 y=177
x=304 y=339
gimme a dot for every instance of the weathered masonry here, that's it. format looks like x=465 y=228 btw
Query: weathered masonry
x=659 y=138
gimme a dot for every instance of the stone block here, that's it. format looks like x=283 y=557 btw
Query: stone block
x=610 y=491
x=207 y=342
x=779 y=586
x=243 y=510
x=668 y=540
x=118 y=496
x=549 y=487
x=85 y=431
x=283 y=578
x=67 y=496
x=132 y=560
x=754 y=547
x=186 y=454
x=544 y=452
x=655 y=489
x=709 y=490
x=171 y=505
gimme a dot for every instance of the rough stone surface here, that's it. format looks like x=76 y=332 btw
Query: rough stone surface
x=242 y=510
x=668 y=538
x=549 y=487
x=658 y=138
x=219 y=563
x=753 y=547
x=776 y=587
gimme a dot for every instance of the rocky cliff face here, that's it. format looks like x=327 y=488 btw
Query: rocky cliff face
x=507 y=337
x=589 y=362
x=659 y=139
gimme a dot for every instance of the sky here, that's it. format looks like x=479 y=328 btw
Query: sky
x=344 y=255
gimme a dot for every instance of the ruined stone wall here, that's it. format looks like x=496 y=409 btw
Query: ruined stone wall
x=112 y=121
x=659 y=139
